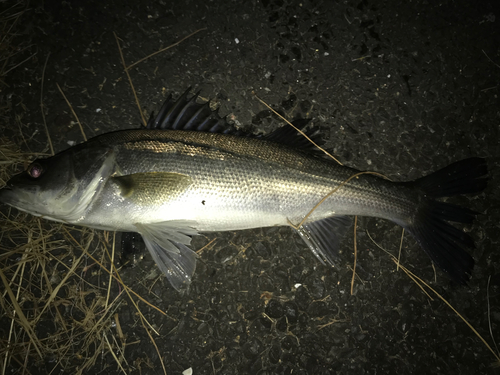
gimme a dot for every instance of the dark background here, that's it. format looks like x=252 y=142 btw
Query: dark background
x=402 y=88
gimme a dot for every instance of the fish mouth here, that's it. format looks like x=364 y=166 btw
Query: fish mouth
x=5 y=193
x=14 y=198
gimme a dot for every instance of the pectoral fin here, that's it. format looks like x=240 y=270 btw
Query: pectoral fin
x=152 y=187
x=166 y=241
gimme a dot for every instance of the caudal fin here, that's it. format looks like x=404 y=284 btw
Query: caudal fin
x=446 y=245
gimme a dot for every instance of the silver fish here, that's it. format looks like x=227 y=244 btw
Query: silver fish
x=190 y=172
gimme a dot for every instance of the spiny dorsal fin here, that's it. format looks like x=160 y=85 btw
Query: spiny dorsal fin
x=287 y=135
x=187 y=114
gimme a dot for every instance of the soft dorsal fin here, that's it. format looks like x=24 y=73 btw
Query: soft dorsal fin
x=287 y=135
x=186 y=114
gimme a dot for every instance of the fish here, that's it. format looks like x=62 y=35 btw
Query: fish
x=190 y=171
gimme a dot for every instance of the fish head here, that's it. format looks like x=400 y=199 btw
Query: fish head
x=58 y=188
x=44 y=188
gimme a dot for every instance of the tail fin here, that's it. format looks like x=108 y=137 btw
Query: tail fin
x=445 y=244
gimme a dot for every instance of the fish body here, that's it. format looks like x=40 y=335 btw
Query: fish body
x=189 y=173
x=221 y=182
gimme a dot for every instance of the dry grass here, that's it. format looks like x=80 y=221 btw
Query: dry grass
x=53 y=311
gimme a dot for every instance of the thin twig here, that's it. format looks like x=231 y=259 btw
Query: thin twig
x=293 y=126
x=355 y=254
x=156 y=347
x=117 y=277
x=15 y=66
x=112 y=260
x=11 y=329
x=113 y=353
x=457 y=313
x=130 y=80
x=401 y=266
x=329 y=194
x=42 y=107
x=164 y=49
x=62 y=283
x=489 y=313
x=421 y=283
x=494 y=63
x=74 y=113
x=24 y=321
x=400 y=247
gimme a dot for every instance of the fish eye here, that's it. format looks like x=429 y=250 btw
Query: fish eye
x=35 y=170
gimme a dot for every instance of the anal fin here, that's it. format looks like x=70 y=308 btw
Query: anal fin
x=323 y=237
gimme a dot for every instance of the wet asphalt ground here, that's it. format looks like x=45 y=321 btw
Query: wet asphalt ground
x=401 y=89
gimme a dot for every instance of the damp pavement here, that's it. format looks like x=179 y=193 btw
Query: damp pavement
x=398 y=88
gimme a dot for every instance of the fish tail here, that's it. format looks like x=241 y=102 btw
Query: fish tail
x=445 y=244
